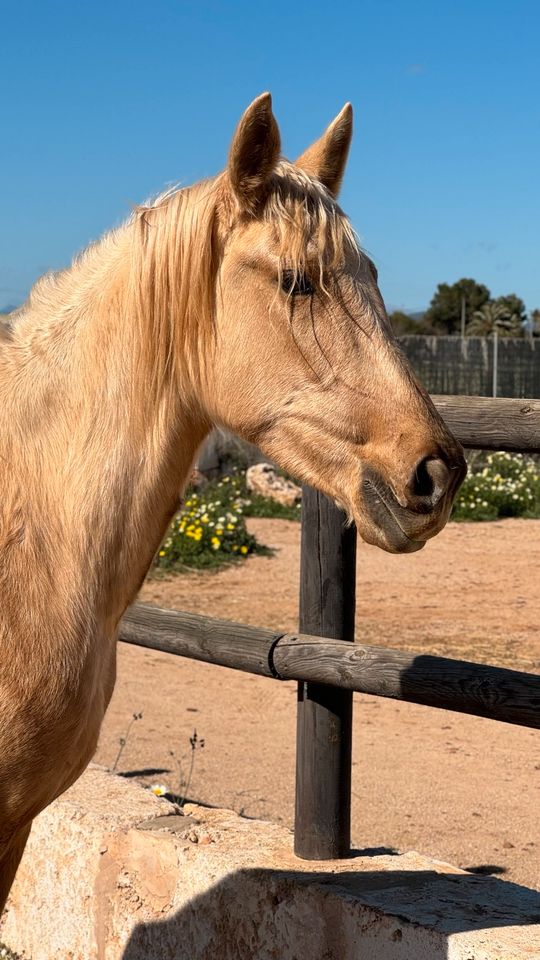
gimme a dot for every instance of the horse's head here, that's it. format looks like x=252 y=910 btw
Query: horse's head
x=305 y=364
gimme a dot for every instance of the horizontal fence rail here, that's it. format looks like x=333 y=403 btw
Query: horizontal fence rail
x=484 y=691
x=489 y=424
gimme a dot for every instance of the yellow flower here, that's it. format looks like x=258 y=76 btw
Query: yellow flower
x=162 y=553
x=216 y=543
x=230 y=526
x=243 y=550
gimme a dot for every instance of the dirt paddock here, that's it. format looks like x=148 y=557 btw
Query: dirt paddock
x=459 y=788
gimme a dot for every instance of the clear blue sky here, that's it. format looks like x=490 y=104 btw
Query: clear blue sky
x=104 y=103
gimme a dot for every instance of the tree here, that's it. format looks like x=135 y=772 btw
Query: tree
x=444 y=313
x=514 y=304
x=534 y=321
x=495 y=316
x=403 y=324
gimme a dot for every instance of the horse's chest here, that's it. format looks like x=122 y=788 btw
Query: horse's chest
x=49 y=736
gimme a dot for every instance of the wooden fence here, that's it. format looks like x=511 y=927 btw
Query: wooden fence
x=329 y=667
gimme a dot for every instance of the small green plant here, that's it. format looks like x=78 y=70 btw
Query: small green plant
x=123 y=740
x=502 y=485
x=184 y=781
x=179 y=797
x=209 y=530
x=258 y=506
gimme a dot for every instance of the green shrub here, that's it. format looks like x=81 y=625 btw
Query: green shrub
x=209 y=530
x=506 y=485
x=257 y=506
x=232 y=489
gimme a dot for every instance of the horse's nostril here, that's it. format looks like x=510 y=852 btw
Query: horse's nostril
x=429 y=482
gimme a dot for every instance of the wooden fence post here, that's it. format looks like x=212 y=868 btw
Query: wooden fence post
x=324 y=725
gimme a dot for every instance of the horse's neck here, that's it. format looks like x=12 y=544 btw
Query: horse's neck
x=93 y=466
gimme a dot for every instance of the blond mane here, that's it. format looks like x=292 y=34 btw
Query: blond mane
x=162 y=265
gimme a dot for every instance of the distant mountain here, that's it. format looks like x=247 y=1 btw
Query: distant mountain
x=415 y=314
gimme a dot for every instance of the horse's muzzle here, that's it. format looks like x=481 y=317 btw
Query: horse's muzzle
x=404 y=527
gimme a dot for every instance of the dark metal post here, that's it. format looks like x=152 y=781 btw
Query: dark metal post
x=324 y=727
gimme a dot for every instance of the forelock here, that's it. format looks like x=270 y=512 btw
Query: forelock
x=308 y=221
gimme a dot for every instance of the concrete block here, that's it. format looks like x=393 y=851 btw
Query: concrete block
x=111 y=873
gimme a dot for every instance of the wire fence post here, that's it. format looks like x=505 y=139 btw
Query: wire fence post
x=324 y=722
x=495 y=361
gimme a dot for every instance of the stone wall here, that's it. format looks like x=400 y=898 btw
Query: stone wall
x=111 y=873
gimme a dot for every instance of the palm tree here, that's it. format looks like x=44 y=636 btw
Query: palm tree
x=494 y=317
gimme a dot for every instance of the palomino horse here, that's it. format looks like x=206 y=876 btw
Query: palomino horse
x=243 y=301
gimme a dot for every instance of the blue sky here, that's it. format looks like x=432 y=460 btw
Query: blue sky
x=106 y=103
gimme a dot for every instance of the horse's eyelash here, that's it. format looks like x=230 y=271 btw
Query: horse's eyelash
x=296 y=284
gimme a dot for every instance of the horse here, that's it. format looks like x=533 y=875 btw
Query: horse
x=244 y=301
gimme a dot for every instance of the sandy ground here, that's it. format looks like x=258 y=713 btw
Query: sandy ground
x=459 y=788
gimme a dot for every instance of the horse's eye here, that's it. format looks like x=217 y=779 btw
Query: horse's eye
x=296 y=284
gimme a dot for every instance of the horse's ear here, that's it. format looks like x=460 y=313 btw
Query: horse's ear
x=254 y=152
x=327 y=157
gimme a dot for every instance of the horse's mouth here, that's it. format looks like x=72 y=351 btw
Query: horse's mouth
x=386 y=530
